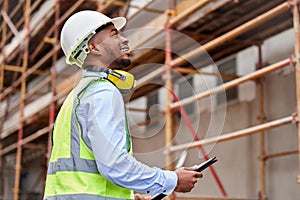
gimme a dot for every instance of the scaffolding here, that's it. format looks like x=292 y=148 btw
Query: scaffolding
x=16 y=38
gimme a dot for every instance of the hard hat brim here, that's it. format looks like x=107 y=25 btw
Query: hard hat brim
x=119 y=22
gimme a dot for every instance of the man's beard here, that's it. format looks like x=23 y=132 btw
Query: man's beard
x=121 y=63
x=125 y=62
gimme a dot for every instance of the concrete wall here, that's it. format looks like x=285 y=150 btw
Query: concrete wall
x=238 y=166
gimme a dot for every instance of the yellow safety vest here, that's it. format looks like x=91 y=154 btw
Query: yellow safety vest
x=72 y=171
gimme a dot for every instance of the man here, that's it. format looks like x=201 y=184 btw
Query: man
x=91 y=155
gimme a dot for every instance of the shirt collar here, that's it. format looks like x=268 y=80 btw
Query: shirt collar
x=98 y=74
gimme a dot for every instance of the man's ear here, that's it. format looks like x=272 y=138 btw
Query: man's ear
x=93 y=49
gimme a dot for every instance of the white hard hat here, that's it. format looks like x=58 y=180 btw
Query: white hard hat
x=79 y=29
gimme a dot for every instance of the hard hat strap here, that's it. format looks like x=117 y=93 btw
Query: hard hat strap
x=80 y=57
x=81 y=52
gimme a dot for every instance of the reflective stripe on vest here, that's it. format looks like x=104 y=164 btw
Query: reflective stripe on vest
x=72 y=171
x=81 y=197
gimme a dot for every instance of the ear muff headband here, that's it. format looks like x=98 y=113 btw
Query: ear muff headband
x=123 y=80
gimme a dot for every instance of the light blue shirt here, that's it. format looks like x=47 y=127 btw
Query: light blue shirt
x=101 y=114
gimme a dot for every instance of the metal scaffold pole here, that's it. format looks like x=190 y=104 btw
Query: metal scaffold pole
x=296 y=22
x=235 y=134
x=3 y=42
x=233 y=83
x=168 y=84
x=22 y=101
x=2 y=67
x=53 y=76
x=2 y=64
x=262 y=119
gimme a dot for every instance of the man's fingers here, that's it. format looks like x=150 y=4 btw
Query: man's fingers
x=189 y=168
x=141 y=197
x=137 y=197
x=198 y=175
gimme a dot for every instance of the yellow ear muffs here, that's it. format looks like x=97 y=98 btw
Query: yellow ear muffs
x=123 y=80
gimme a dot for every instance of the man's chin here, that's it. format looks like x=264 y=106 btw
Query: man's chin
x=124 y=62
x=121 y=63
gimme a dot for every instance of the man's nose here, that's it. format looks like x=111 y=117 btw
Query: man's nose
x=124 y=40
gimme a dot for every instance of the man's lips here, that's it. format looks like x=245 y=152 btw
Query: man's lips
x=125 y=49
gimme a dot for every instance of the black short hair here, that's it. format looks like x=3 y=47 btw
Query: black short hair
x=103 y=27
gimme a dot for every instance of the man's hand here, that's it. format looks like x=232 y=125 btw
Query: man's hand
x=141 y=197
x=187 y=178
